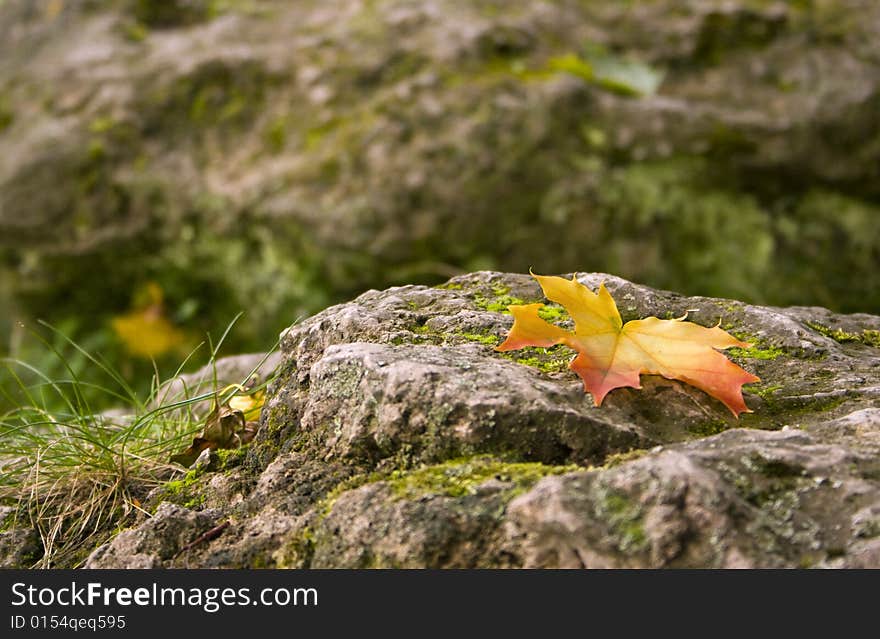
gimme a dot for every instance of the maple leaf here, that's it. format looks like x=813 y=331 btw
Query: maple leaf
x=613 y=355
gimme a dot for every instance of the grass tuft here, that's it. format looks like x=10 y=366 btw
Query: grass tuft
x=76 y=475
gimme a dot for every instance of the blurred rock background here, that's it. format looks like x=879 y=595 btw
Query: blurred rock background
x=165 y=165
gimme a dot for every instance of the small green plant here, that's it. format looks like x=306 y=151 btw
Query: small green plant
x=78 y=475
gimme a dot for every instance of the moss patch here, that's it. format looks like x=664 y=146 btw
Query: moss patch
x=173 y=13
x=616 y=459
x=185 y=491
x=552 y=313
x=774 y=468
x=6 y=115
x=497 y=304
x=230 y=457
x=501 y=299
x=214 y=96
x=455 y=478
x=461 y=477
x=275 y=135
x=787 y=409
x=547 y=360
x=709 y=428
x=481 y=338
x=867 y=337
x=764 y=392
x=624 y=518
x=298 y=552
x=757 y=352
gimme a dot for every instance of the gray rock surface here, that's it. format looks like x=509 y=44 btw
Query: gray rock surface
x=20 y=546
x=158 y=540
x=396 y=436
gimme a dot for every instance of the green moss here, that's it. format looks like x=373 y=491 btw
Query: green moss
x=838 y=335
x=178 y=486
x=215 y=96
x=7 y=117
x=785 y=409
x=871 y=338
x=450 y=286
x=416 y=339
x=768 y=484
x=757 y=352
x=555 y=359
x=502 y=299
x=616 y=459
x=616 y=74
x=419 y=334
x=759 y=349
x=481 y=338
x=101 y=124
x=455 y=478
x=230 y=457
x=624 y=518
x=323 y=507
x=172 y=13
x=709 y=428
x=867 y=337
x=552 y=313
x=497 y=304
x=315 y=135
x=764 y=392
x=498 y=301
x=275 y=135
x=135 y=31
x=461 y=477
x=298 y=552
x=260 y=562
x=774 y=468
x=185 y=491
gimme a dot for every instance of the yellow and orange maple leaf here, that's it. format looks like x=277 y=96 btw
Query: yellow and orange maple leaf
x=612 y=354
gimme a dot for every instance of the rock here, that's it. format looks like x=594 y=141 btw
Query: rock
x=395 y=436
x=219 y=151
x=156 y=541
x=740 y=499
x=369 y=528
x=20 y=546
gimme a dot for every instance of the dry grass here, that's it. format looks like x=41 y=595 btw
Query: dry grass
x=77 y=476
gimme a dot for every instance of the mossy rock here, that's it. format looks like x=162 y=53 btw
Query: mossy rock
x=396 y=436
